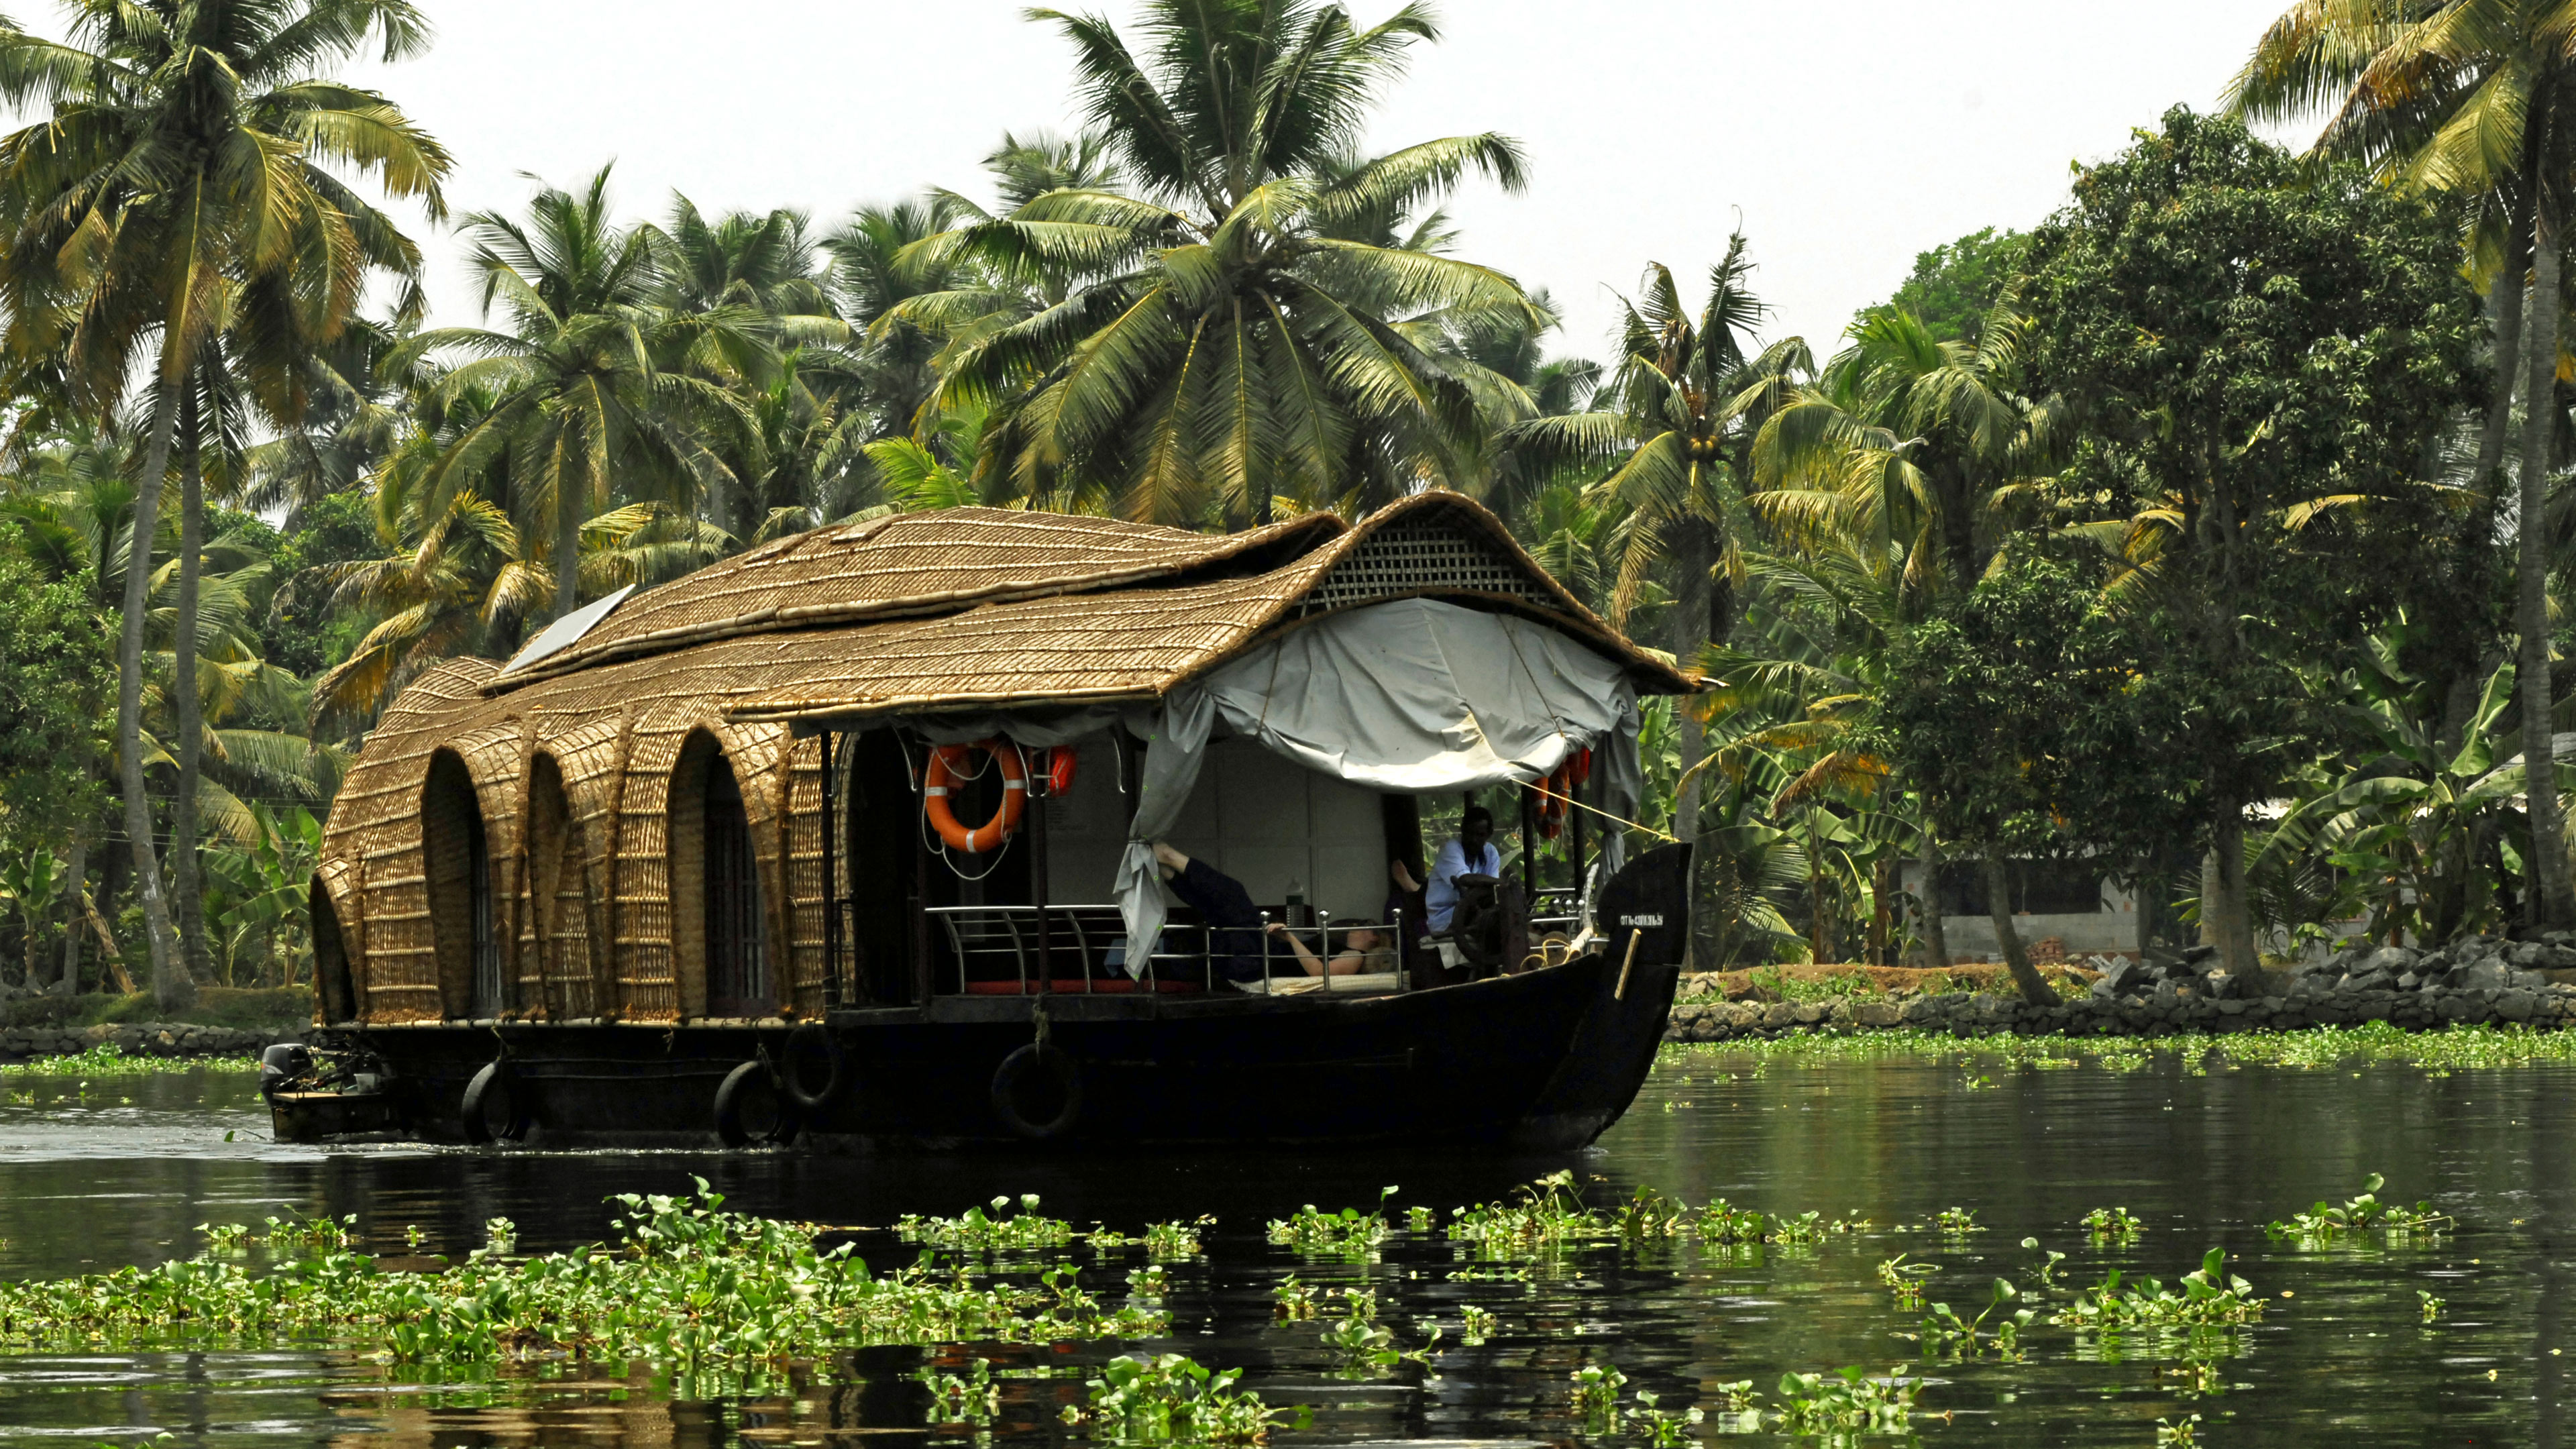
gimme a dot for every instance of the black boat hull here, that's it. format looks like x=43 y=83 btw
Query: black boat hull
x=1546 y=1059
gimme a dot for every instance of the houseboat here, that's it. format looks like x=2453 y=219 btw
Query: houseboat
x=853 y=839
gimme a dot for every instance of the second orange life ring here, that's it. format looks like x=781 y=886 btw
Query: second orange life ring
x=944 y=771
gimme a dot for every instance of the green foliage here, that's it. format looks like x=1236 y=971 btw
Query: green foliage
x=1845 y=1402
x=688 y=1286
x=2328 y=1223
x=1955 y=285
x=2112 y=1225
x=1347 y=1233
x=975 y=1232
x=2026 y=717
x=108 y=1060
x=2260 y=360
x=2206 y=1297
x=1167 y=1398
x=1943 y=1330
x=56 y=681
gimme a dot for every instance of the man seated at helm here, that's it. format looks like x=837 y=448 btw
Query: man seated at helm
x=1234 y=941
x=1471 y=853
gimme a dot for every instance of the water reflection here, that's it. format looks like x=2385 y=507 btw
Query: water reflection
x=123 y=1171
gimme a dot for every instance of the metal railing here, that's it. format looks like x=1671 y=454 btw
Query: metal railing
x=1032 y=947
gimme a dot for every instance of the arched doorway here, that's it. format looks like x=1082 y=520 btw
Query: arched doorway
x=332 y=981
x=457 y=860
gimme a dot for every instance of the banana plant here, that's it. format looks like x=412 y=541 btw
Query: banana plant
x=34 y=881
x=2422 y=834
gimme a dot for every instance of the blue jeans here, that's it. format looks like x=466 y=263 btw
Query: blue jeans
x=1235 y=941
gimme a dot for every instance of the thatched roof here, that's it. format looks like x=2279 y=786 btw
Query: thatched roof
x=915 y=563
x=1139 y=643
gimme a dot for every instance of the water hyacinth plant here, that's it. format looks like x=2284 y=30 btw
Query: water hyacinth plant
x=1167 y=1399
x=2329 y=1222
x=2208 y=1297
x=1349 y=1233
x=973 y=1231
x=1846 y=1401
x=2111 y=1225
x=109 y=1060
x=687 y=1286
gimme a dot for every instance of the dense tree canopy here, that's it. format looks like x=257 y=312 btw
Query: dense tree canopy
x=2171 y=536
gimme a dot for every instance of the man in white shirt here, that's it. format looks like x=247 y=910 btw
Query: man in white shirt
x=1472 y=853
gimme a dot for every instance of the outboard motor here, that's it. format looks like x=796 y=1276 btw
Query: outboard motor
x=281 y=1064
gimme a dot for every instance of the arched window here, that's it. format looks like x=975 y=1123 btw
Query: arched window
x=458 y=863
x=558 y=892
x=719 y=933
x=737 y=963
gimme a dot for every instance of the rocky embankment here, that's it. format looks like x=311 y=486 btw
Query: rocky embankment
x=141 y=1039
x=2480 y=979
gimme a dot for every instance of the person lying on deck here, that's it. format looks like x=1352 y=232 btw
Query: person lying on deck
x=1233 y=922
x=1363 y=950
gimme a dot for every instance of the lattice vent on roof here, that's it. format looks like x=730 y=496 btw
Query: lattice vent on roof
x=1415 y=558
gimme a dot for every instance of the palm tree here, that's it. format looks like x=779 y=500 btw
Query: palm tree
x=1226 y=344
x=1678 y=418
x=2476 y=98
x=1909 y=450
x=598 y=393
x=183 y=180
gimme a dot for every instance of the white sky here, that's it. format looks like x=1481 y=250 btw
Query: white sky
x=1848 y=135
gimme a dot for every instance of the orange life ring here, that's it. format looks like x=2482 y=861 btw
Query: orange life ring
x=943 y=772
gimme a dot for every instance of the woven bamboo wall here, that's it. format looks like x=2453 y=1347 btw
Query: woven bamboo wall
x=557 y=922
x=800 y=963
x=593 y=761
x=376 y=825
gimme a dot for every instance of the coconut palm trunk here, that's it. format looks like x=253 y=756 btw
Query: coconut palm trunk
x=1936 y=939
x=171 y=986
x=187 y=882
x=2505 y=302
x=2226 y=909
x=2034 y=989
x=75 y=916
x=2553 y=894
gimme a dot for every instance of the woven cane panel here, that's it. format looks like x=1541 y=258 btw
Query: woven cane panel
x=593 y=760
x=804 y=844
x=1432 y=556
x=647 y=987
x=559 y=936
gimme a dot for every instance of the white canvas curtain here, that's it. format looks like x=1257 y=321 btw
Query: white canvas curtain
x=1410 y=697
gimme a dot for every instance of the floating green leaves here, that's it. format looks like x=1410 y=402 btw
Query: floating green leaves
x=688 y=1286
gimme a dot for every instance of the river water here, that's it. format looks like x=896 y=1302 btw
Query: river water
x=122 y=1171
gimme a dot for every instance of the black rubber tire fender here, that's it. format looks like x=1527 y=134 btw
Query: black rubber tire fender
x=802 y=1044
x=729 y=1101
x=1057 y=1063
x=476 y=1106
